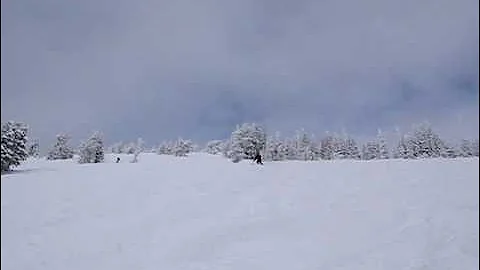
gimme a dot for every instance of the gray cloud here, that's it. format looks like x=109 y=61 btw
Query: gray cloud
x=159 y=69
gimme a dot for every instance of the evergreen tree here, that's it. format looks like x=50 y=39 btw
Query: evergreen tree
x=117 y=148
x=165 y=148
x=61 y=149
x=290 y=149
x=214 y=147
x=370 y=150
x=425 y=142
x=382 y=146
x=306 y=147
x=13 y=144
x=182 y=147
x=247 y=140
x=475 y=148
x=33 y=149
x=402 y=149
x=449 y=151
x=466 y=149
x=351 y=149
x=275 y=149
x=91 y=151
x=139 y=148
x=328 y=147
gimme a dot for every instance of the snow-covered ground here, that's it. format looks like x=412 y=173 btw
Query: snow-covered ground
x=205 y=212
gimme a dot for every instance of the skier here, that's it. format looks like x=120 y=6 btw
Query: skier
x=258 y=158
x=118 y=159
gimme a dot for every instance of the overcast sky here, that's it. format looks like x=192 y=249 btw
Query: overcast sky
x=196 y=68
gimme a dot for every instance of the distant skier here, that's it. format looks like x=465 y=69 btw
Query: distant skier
x=258 y=158
x=118 y=159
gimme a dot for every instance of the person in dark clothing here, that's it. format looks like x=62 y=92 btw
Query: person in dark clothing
x=118 y=159
x=258 y=158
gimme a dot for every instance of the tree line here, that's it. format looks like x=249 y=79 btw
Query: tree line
x=245 y=141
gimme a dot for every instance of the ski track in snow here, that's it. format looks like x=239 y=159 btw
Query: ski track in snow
x=204 y=212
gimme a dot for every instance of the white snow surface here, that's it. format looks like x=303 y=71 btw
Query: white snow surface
x=205 y=212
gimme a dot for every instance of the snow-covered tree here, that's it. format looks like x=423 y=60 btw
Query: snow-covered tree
x=33 y=148
x=343 y=147
x=165 y=148
x=425 y=142
x=306 y=146
x=139 y=148
x=247 y=140
x=376 y=149
x=382 y=146
x=61 y=149
x=129 y=148
x=328 y=147
x=405 y=148
x=475 y=148
x=351 y=149
x=91 y=151
x=13 y=144
x=449 y=151
x=214 y=147
x=140 y=145
x=275 y=149
x=182 y=147
x=466 y=148
x=226 y=148
x=290 y=149
x=116 y=148
x=371 y=150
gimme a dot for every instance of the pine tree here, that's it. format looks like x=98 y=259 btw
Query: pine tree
x=352 y=151
x=370 y=150
x=129 y=148
x=61 y=149
x=425 y=143
x=475 y=147
x=165 y=148
x=449 y=151
x=275 y=150
x=214 y=147
x=247 y=140
x=139 y=148
x=306 y=147
x=226 y=148
x=382 y=146
x=116 y=148
x=466 y=149
x=402 y=149
x=182 y=147
x=33 y=148
x=341 y=148
x=13 y=144
x=328 y=148
x=290 y=150
x=92 y=150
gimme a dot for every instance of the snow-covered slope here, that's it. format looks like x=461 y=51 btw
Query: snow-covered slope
x=204 y=212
